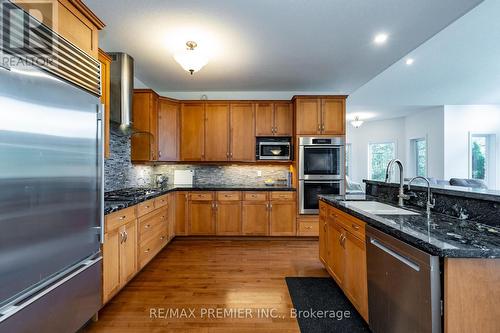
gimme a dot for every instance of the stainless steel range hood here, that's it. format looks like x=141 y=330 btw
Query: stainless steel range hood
x=122 y=89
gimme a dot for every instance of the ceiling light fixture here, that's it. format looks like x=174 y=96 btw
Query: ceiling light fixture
x=191 y=59
x=380 y=38
x=409 y=61
x=356 y=123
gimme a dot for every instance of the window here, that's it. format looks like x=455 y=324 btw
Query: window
x=379 y=156
x=348 y=157
x=482 y=157
x=419 y=149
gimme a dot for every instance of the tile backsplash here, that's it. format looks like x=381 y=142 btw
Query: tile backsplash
x=119 y=172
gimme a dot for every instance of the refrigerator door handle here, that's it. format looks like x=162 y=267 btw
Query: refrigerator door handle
x=100 y=168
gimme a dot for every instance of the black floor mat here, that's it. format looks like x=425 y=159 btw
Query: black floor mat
x=312 y=295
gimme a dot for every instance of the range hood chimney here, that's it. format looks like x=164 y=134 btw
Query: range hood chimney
x=122 y=90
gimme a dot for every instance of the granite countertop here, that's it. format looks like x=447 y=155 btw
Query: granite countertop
x=444 y=236
x=120 y=199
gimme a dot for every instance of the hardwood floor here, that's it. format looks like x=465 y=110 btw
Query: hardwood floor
x=205 y=275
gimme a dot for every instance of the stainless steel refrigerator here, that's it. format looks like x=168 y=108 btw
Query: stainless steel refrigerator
x=51 y=184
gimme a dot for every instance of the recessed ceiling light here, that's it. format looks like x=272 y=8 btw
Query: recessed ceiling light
x=380 y=38
x=409 y=61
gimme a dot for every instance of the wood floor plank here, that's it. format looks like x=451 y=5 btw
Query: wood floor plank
x=213 y=274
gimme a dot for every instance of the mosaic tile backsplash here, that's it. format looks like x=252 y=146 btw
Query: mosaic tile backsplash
x=120 y=173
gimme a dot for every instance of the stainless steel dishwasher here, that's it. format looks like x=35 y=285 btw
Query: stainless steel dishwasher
x=404 y=286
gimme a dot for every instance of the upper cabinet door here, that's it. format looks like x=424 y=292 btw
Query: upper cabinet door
x=242 y=142
x=168 y=125
x=145 y=113
x=264 y=119
x=217 y=132
x=105 y=61
x=192 y=131
x=308 y=116
x=283 y=119
x=333 y=116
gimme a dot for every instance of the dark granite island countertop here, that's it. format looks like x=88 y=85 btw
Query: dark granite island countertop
x=120 y=199
x=444 y=236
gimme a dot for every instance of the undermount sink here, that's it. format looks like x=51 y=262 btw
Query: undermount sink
x=377 y=208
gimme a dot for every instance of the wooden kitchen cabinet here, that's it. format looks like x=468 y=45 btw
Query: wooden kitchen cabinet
x=192 y=132
x=333 y=116
x=343 y=251
x=242 y=132
x=168 y=129
x=181 y=207
x=201 y=218
x=264 y=119
x=228 y=218
x=273 y=119
x=111 y=264
x=255 y=218
x=71 y=19
x=283 y=212
x=105 y=61
x=128 y=252
x=323 y=115
x=355 y=278
x=307 y=113
x=217 y=132
x=144 y=144
x=335 y=255
x=283 y=119
x=119 y=258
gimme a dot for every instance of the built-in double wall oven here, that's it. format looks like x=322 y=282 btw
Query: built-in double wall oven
x=321 y=170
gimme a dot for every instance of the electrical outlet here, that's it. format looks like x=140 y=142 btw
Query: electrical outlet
x=259 y=173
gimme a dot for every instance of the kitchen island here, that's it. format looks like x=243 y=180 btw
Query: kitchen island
x=466 y=253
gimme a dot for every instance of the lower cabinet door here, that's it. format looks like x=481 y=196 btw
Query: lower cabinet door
x=111 y=264
x=128 y=252
x=201 y=218
x=323 y=242
x=255 y=218
x=283 y=222
x=228 y=218
x=335 y=256
x=355 y=281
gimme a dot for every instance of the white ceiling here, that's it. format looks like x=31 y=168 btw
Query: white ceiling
x=458 y=66
x=263 y=45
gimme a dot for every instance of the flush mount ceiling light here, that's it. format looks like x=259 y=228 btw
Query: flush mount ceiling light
x=190 y=59
x=380 y=38
x=409 y=61
x=356 y=123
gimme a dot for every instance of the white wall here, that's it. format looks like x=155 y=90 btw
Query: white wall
x=460 y=121
x=373 y=132
x=428 y=124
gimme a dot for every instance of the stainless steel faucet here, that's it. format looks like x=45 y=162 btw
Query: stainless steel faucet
x=401 y=196
x=431 y=202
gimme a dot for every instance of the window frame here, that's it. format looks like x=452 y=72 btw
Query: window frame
x=414 y=155
x=393 y=142
x=489 y=163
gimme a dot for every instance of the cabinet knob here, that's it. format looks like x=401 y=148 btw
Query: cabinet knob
x=355 y=226
x=159 y=153
x=147 y=250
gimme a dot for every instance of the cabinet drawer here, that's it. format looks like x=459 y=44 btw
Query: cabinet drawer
x=150 y=248
x=117 y=219
x=151 y=221
x=308 y=229
x=283 y=196
x=201 y=196
x=228 y=196
x=350 y=223
x=161 y=201
x=255 y=196
x=145 y=207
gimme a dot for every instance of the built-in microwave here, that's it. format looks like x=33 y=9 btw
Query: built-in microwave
x=274 y=148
